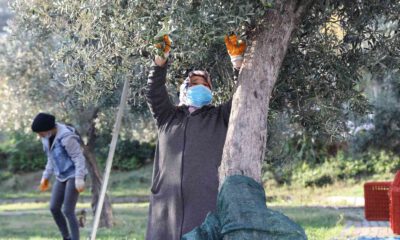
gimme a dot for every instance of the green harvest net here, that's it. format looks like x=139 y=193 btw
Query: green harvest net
x=242 y=215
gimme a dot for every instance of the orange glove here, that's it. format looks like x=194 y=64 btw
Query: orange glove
x=164 y=46
x=236 y=49
x=44 y=185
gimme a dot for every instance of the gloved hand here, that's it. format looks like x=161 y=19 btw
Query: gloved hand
x=79 y=184
x=44 y=185
x=236 y=49
x=164 y=46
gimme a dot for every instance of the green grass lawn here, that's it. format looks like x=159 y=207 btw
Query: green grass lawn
x=121 y=184
x=311 y=196
x=318 y=223
x=32 y=219
x=37 y=223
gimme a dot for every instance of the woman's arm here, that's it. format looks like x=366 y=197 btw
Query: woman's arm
x=157 y=95
x=236 y=49
x=48 y=171
x=156 y=92
x=72 y=145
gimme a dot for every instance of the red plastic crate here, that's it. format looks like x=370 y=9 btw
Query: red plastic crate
x=396 y=181
x=376 y=196
x=395 y=209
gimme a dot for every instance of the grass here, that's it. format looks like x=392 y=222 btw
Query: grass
x=32 y=220
x=318 y=223
x=312 y=196
x=16 y=207
x=121 y=184
x=130 y=223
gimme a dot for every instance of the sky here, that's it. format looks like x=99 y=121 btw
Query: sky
x=5 y=14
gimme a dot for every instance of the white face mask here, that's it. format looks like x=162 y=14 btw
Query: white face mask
x=47 y=136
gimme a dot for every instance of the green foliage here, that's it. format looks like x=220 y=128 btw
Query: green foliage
x=345 y=167
x=288 y=147
x=4 y=175
x=92 y=46
x=385 y=162
x=22 y=153
x=321 y=83
x=307 y=176
x=384 y=95
x=129 y=154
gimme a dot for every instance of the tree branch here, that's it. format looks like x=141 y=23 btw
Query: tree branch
x=301 y=7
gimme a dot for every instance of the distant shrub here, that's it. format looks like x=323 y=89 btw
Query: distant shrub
x=312 y=176
x=4 y=175
x=129 y=154
x=22 y=153
x=343 y=167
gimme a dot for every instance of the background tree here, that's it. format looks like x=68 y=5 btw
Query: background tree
x=30 y=77
x=380 y=130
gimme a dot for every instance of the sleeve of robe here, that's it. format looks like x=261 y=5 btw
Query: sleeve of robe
x=157 y=96
x=227 y=106
x=226 y=110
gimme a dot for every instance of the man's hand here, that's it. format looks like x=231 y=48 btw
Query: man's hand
x=44 y=185
x=236 y=49
x=164 y=46
x=79 y=184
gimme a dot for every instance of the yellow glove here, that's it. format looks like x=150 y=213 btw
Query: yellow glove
x=236 y=49
x=44 y=185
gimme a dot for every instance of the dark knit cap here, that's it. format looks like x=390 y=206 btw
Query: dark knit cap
x=43 y=122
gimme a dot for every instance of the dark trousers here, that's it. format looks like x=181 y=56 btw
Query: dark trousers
x=64 y=193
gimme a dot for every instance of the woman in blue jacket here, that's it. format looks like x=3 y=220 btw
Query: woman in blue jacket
x=66 y=161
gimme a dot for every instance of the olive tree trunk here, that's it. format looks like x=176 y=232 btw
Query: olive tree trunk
x=247 y=132
x=106 y=219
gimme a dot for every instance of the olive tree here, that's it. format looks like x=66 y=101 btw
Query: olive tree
x=30 y=86
x=304 y=58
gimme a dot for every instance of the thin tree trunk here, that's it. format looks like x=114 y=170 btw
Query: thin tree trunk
x=247 y=132
x=107 y=219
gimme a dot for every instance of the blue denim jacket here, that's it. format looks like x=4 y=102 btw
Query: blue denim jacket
x=63 y=165
x=65 y=157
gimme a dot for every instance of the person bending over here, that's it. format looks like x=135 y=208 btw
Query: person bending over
x=65 y=160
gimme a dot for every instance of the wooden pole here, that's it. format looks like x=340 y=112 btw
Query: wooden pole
x=110 y=157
